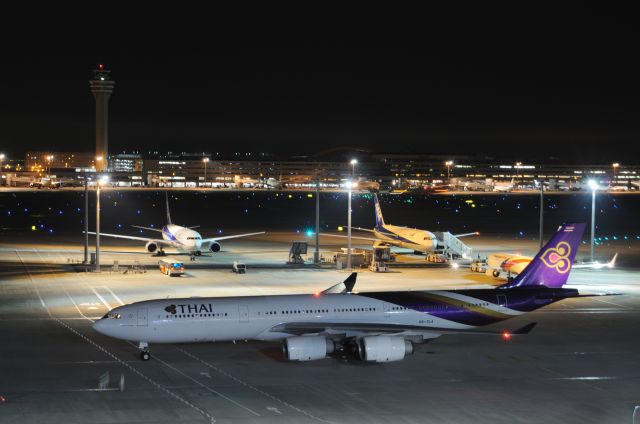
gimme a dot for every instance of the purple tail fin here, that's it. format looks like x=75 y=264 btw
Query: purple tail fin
x=379 y=218
x=551 y=266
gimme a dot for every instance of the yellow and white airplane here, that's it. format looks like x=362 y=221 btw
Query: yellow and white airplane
x=509 y=264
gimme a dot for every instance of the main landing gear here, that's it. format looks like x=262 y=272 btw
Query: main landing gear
x=144 y=354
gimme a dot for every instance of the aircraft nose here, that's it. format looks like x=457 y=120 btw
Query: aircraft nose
x=99 y=326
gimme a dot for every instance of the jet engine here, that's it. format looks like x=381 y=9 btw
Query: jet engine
x=384 y=348
x=215 y=247
x=151 y=246
x=301 y=348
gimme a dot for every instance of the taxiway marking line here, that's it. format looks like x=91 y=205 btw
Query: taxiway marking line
x=113 y=294
x=111 y=355
x=107 y=289
x=33 y=283
x=211 y=389
x=609 y=302
x=101 y=299
x=66 y=292
x=262 y=392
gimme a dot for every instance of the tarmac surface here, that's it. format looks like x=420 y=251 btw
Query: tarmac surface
x=579 y=365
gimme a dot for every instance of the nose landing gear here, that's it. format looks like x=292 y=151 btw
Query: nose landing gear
x=144 y=354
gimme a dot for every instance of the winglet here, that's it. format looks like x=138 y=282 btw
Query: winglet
x=350 y=282
x=345 y=287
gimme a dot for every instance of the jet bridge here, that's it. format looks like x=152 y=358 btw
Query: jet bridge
x=451 y=246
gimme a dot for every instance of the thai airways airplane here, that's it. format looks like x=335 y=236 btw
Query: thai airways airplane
x=184 y=239
x=511 y=264
x=379 y=326
x=420 y=241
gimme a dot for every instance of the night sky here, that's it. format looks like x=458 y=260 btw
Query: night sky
x=516 y=83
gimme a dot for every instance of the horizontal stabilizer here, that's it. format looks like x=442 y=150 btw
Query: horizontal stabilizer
x=599 y=294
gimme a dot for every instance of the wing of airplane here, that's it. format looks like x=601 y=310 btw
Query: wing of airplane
x=353 y=237
x=215 y=239
x=159 y=242
x=364 y=229
x=302 y=328
x=597 y=265
x=147 y=228
x=329 y=327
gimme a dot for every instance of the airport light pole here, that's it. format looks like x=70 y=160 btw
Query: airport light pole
x=206 y=161
x=316 y=254
x=448 y=164
x=518 y=164
x=1 y=161
x=541 y=212
x=101 y=180
x=86 y=220
x=614 y=165
x=349 y=186
x=593 y=185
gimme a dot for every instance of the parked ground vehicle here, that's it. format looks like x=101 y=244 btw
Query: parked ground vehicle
x=171 y=267
x=239 y=267
x=436 y=257
x=479 y=265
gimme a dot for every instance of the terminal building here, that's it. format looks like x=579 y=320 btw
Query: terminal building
x=388 y=171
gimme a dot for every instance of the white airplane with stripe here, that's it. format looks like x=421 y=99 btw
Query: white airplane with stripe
x=184 y=239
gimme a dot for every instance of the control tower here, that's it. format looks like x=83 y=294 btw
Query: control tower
x=102 y=87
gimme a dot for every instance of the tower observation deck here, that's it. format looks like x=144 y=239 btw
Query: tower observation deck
x=102 y=87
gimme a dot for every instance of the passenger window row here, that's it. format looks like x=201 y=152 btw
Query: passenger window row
x=218 y=314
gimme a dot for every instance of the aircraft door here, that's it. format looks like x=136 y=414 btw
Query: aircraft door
x=386 y=307
x=142 y=317
x=502 y=300
x=243 y=313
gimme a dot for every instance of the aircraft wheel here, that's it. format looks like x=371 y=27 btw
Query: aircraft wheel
x=145 y=355
x=495 y=274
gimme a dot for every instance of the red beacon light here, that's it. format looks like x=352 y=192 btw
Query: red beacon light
x=100 y=66
x=506 y=336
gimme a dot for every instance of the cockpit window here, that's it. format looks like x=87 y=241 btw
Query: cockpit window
x=112 y=315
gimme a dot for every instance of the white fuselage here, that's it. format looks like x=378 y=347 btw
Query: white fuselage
x=184 y=239
x=407 y=238
x=253 y=317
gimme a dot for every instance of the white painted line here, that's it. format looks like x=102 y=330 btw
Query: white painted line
x=212 y=390
x=123 y=363
x=33 y=283
x=609 y=302
x=101 y=299
x=114 y=295
x=262 y=392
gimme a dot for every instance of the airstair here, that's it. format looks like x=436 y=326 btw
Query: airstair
x=451 y=246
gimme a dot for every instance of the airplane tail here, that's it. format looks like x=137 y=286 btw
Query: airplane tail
x=552 y=265
x=379 y=218
x=166 y=194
